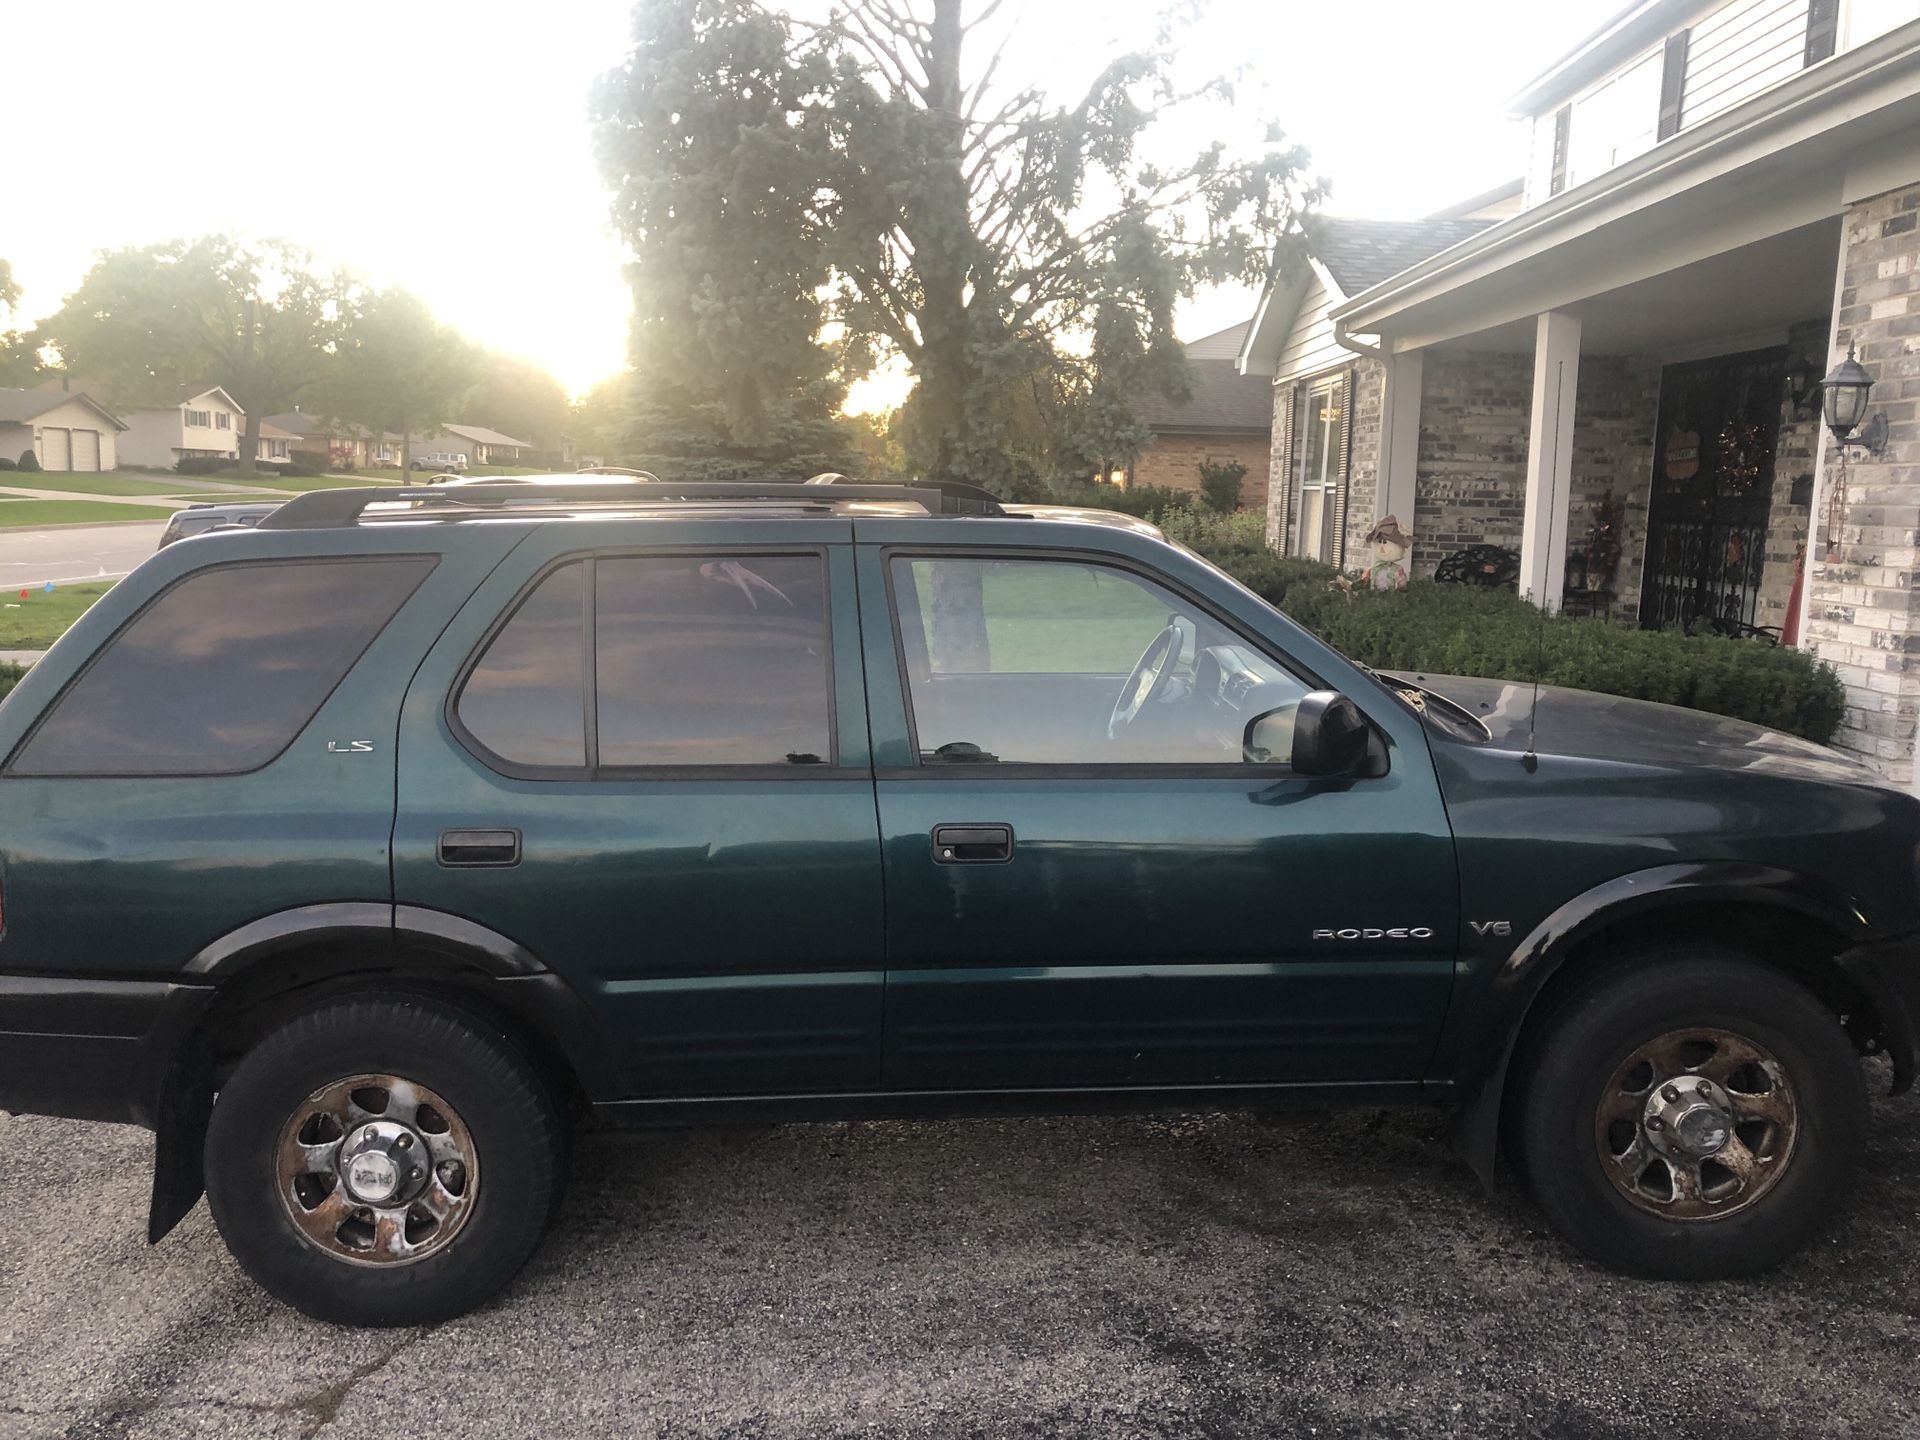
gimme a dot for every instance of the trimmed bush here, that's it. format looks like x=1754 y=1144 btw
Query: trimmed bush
x=1462 y=630
x=1220 y=484
x=1146 y=502
x=5 y=463
x=29 y=460
x=10 y=674
x=203 y=464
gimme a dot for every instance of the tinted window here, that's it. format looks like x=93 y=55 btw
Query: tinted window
x=526 y=699
x=713 y=661
x=1054 y=662
x=222 y=671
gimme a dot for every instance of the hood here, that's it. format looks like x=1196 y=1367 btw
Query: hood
x=1586 y=725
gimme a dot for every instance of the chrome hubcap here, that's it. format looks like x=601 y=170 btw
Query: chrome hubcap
x=377 y=1170
x=1696 y=1124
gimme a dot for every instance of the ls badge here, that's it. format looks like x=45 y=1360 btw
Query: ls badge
x=349 y=747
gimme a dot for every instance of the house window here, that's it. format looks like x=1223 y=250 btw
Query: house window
x=1319 y=413
x=201 y=418
x=222 y=420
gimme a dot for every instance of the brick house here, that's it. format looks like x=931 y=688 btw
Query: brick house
x=1722 y=197
x=1226 y=417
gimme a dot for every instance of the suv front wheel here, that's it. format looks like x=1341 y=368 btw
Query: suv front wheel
x=1690 y=1114
x=384 y=1160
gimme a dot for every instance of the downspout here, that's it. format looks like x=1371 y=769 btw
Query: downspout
x=1347 y=342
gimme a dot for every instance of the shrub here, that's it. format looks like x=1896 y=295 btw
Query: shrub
x=1220 y=484
x=203 y=464
x=1461 y=630
x=29 y=460
x=10 y=674
x=1145 y=502
x=5 y=463
x=1244 y=532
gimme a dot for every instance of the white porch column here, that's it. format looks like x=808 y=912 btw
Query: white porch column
x=1543 y=538
x=1399 y=439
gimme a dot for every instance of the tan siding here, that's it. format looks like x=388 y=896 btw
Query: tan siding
x=1173 y=461
x=1310 y=346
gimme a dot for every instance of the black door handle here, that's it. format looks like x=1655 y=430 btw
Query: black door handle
x=479 y=847
x=972 y=844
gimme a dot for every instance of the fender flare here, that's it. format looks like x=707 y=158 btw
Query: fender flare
x=1524 y=973
x=180 y=1080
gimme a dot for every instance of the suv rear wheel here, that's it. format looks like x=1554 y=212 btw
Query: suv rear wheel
x=385 y=1160
x=1690 y=1114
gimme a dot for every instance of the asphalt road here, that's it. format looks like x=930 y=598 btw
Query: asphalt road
x=1206 y=1276
x=80 y=552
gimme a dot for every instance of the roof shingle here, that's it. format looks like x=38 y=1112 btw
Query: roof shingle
x=1359 y=254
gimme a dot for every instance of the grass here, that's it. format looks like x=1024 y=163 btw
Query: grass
x=37 y=621
x=1065 y=619
x=300 y=484
x=110 y=483
x=231 y=497
x=394 y=475
x=25 y=514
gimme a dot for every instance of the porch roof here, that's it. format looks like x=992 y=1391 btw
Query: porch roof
x=1791 y=157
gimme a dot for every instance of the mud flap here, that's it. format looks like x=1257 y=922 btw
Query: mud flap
x=179 y=1143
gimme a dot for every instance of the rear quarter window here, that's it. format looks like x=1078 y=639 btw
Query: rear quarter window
x=221 y=671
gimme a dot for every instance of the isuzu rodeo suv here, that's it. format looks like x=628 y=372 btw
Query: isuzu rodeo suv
x=359 y=854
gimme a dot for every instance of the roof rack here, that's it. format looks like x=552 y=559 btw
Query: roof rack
x=331 y=509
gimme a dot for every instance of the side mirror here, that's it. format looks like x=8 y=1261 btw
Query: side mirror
x=1330 y=735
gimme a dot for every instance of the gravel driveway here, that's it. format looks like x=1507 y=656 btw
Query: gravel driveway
x=1202 y=1276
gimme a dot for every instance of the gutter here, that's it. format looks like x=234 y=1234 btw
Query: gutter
x=1347 y=342
x=1835 y=82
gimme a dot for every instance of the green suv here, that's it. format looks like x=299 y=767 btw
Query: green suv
x=359 y=854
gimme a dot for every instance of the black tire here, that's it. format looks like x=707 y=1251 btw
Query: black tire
x=499 y=1098
x=1595 y=1029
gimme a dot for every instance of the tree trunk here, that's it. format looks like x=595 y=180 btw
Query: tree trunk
x=943 y=243
x=406 y=453
x=250 y=443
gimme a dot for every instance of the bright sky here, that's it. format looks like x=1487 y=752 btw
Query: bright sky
x=443 y=144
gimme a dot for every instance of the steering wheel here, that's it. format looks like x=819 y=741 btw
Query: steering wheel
x=1147 y=683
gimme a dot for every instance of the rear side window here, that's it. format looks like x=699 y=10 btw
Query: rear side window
x=718 y=661
x=526 y=699
x=221 y=672
x=698 y=660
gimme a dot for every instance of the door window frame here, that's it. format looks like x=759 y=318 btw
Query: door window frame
x=1015 y=770
x=1329 y=489
x=595 y=773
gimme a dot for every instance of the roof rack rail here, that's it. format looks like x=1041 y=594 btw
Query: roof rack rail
x=331 y=509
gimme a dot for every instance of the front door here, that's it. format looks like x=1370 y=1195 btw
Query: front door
x=1712 y=492
x=648 y=768
x=1092 y=880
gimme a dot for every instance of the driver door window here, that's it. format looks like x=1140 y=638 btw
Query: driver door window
x=1056 y=662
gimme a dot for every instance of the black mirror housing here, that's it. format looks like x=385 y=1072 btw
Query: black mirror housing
x=1330 y=735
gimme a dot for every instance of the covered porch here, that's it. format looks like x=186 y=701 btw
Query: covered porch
x=1621 y=384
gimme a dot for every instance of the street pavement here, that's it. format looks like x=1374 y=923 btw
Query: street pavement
x=1208 y=1276
x=80 y=552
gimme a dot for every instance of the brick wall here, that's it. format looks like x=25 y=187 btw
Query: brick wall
x=1471 y=479
x=1863 y=614
x=1173 y=460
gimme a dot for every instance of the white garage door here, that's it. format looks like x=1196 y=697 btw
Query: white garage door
x=56 y=449
x=86 y=449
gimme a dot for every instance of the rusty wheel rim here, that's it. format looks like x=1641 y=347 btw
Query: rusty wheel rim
x=1697 y=1124
x=377 y=1170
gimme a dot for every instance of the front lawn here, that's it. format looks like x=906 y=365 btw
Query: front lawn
x=110 y=483
x=41 y=618
x=26 y=514
x=394 y=475
x=300 y=484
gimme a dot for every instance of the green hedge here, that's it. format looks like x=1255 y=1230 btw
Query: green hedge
x=10 y=674
x=1462 y=630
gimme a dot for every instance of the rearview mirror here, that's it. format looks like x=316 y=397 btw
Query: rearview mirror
x=1330 y=735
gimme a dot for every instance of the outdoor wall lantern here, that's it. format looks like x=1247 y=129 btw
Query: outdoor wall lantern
x=1844 y=397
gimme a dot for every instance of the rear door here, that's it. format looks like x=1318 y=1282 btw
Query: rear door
x=1086 y=892
x=646 y=763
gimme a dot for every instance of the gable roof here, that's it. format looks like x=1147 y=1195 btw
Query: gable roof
x=1221 y=398
x=182 y=394
x=19 y=406
x=480 y=435
x=1359 y=254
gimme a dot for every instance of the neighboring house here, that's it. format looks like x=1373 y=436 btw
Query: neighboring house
x=276 y=444
x=65 y=430
x=1226 y=418
x=330 y=444
x=204 y=424
x=478 y=444
x=1722 y=198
